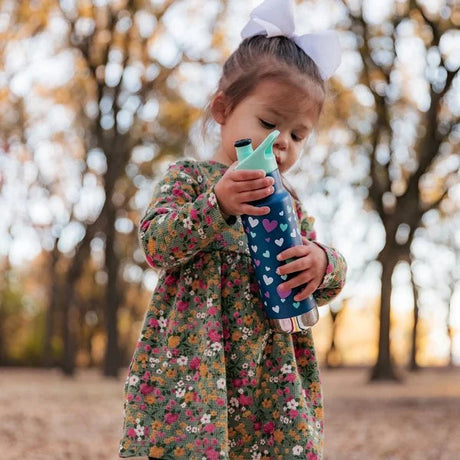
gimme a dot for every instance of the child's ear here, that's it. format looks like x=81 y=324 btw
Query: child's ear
x=219 y=108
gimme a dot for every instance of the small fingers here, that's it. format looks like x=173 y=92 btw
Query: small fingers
x=255 y=210
x=305 y=293
x=297 y=265
x=241 y=175
x=295 y=251
x=299 y=280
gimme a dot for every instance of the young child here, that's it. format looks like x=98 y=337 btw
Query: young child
x=209 y=379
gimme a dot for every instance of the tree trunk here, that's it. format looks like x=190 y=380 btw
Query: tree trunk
x=112 y=354
x=384 y=367
x=48 y=358
x=413 y=366
x=333 y=356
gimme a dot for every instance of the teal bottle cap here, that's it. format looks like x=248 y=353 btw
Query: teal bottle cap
x=261 y=158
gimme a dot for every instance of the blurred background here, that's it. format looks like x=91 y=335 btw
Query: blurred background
x=97 y=97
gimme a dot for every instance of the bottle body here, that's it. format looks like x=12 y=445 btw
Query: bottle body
x=267 y=236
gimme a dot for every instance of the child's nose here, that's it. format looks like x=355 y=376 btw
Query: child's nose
x=281 y=141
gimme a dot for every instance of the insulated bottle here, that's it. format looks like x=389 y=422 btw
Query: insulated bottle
x=271 y=234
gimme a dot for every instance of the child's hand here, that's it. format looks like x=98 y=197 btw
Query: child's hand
x=237 y=188
x=311 y=263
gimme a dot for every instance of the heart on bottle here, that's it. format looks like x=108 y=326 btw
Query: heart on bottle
x=268 y=280
x=267 y=295
x=276 y=309
x=254 y=248
x=253 y=234
x=267 y=240
x=266 y=254
x=253 y=222
x=279 y=242
x=284 y=227
x=283 y=294
x=269 y=225
x=296 y=304
x=257 y=262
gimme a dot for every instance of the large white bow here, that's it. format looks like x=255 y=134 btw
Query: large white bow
x=275 y=18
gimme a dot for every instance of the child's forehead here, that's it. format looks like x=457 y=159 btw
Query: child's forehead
x=284 y=97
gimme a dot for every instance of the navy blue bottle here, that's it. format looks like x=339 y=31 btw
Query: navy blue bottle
x=271 y=234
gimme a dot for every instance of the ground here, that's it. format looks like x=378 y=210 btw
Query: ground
x=45 y=416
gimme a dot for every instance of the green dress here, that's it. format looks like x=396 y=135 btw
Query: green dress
x=209 y=379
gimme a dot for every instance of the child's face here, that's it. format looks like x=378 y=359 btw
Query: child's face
x=272 y=105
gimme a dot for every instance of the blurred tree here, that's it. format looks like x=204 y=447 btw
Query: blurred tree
x=408 y=79
x=128 y=116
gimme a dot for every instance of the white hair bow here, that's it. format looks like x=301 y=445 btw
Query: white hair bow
x=275 y=18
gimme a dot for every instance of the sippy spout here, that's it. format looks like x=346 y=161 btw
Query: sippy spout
x=261 y=158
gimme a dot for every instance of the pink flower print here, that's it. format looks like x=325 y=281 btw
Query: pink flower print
x=182 y=306
x=131 y=433
x=153 y=322
x=210 y=428
x=146 y=389
x=150 y=260
x=257 y=426
x=212 y=454
x=290 y=377
x=214 y=335
x=171 y=418
x=195 y=363
x=245 y=400
x=237 y=383
x=269 y=428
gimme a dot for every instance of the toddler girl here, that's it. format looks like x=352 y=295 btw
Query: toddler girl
x=209 y=379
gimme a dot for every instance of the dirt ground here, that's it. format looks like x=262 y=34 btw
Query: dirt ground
x=44 y=415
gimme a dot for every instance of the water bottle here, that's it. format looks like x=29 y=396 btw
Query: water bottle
x=271 y=234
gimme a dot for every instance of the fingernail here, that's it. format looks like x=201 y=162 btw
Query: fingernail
x=278 y=271
x=278 y=257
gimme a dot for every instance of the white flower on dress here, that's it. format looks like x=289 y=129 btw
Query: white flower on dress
x=212 y=199
x=221 y=384
x=234 y=402
x=206 y=418
x=292 y=404
x=297 y=450
x=216 y=346
x=182 y=360
x=188 y=223
x=133 y=380
x=199 y=179
x=286 y=369
x=180 y=393
x=164 y=188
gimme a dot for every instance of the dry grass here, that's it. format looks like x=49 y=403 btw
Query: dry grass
x=46 y=416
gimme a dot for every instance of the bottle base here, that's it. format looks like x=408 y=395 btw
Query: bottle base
x=294 y=324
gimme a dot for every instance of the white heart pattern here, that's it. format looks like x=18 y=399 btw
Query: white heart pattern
x=268 y=280
x=253 y=222
x=279 y=242
x=276 y=309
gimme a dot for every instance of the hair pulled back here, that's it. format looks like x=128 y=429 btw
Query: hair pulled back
x=258 y=58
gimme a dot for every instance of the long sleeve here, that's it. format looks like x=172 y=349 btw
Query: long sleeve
x=182 y=218
x=334 y=278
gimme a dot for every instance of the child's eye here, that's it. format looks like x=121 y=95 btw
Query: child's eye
x=266 y=124
x=296 y=138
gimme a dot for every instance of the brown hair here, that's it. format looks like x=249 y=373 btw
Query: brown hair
x=259 y=58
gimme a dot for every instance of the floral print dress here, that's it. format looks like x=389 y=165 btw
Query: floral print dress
x=209 y=379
